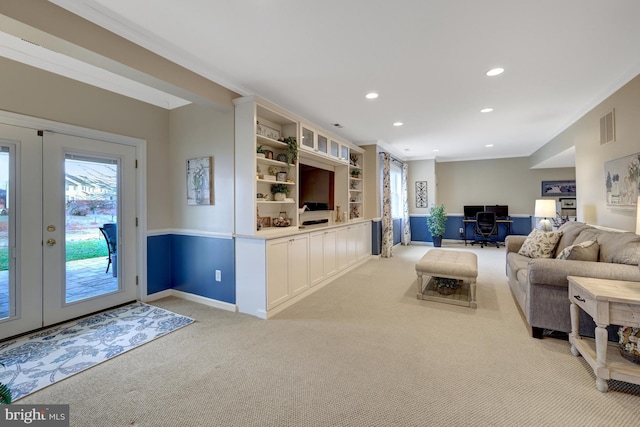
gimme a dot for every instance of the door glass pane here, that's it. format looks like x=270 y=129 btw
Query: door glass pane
x=335 y=149
x=7 y=286
x=307 y=138
x=322 y=143
x=91 y=196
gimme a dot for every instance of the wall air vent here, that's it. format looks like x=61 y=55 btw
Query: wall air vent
x=608 y=127
x=338 y=125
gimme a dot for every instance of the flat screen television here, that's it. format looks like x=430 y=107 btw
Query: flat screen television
x=470 y=211
x=316 y=188
x=501 y=211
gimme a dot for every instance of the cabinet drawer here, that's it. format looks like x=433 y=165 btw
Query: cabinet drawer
x=582 y=300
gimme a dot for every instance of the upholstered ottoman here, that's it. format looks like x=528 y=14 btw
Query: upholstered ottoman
x=460 y=265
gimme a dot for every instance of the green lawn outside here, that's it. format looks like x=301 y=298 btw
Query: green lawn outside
x=81 y=249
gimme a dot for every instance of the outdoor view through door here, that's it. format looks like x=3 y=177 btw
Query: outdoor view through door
x=5 y=234
x=91 y=195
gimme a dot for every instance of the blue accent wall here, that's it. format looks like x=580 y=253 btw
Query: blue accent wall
x=397 y=230
x=158 y=263
x=189 y=264
x=376 y=237
x=420 y=232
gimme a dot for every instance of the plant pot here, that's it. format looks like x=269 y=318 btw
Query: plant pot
x=279 y=197
x=261 y=155
x=437 y=241
x=281 y=176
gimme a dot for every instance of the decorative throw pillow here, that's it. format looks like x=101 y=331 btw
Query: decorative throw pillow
x=585 y=251
x=540 y=244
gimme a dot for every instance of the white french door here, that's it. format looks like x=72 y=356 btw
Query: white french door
x=61 y=190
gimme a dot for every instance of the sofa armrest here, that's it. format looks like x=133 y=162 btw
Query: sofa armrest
x=514 y=242
x=550 y=271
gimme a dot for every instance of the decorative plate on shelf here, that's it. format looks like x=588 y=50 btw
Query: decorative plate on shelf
x=282 y=157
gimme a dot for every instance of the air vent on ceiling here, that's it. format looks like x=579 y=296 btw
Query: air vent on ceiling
x=338 y=125
x=608 y=127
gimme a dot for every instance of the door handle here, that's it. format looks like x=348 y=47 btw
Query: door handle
x=579 y=298
x=51 y=242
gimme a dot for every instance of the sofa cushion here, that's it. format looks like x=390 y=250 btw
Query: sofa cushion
x=585 y=251
x=540 y=244
x=570 y=231
x=620 y=248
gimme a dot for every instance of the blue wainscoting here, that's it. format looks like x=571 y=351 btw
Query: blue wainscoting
x=376 y=237
x=189 y=264
x=420 y=232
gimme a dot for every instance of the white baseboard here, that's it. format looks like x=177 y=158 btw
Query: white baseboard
x=191 y=297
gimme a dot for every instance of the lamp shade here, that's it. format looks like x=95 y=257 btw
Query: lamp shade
x=638 y=216
x=545 y=208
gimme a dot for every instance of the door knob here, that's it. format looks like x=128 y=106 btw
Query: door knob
x=51 y=242
x=51 y=228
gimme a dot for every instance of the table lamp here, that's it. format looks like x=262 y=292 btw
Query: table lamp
x=545 y=209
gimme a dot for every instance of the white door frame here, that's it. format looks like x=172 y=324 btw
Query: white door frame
x=140 y=145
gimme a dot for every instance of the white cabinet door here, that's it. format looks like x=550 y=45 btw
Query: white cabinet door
x=329 y=249
x=352 y=240
x=298 y=264
x=363 y=241
x=277 y=272
x=316 y=258
x=341 y=248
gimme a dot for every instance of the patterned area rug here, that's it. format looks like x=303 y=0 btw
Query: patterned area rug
x=45 y=357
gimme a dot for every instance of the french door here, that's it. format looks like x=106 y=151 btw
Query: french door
x=60 y=192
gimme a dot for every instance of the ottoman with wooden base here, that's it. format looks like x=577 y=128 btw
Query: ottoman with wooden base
x=460 y=265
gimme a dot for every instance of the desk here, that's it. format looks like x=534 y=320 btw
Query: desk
x=506 y=222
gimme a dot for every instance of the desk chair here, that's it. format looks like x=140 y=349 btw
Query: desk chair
x=486 y=226
x=110 y=235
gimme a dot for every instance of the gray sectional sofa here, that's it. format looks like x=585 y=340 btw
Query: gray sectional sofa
x=540 y=285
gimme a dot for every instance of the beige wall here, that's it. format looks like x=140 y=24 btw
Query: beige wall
x=32 y=92
x=421 y=170
x=198 y=131
x=584 y=134
x=493 y=182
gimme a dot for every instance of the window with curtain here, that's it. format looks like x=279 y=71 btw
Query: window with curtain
x=396 y=190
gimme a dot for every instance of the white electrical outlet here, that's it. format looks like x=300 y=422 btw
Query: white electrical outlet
x=218 y=276
x=461 y=230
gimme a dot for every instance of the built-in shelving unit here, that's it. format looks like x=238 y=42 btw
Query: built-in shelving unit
x=356 y=185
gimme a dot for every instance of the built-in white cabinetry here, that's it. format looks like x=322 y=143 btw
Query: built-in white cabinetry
x=287 y=268
x=356 y=185
x=322 y=255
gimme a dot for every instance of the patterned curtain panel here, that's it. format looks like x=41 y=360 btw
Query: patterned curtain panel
x=387 y=223
x=406 y=226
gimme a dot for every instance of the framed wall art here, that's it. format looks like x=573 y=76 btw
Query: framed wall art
x=559 y=188
x=200 y=181
x=622 y=181
x=422 y=199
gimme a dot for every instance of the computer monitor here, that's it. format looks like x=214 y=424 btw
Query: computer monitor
x=470 y=211
x=501 y=211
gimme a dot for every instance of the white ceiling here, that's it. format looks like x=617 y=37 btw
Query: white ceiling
x=426 y=58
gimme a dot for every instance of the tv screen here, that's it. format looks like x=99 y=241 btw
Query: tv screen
x=501 y=211
x=316 y=188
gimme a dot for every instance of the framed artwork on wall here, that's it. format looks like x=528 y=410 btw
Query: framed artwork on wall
x=422 y=198
x=622 y=181
x=559 y=188
x=200 y=181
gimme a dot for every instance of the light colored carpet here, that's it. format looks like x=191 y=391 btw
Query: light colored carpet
x=363 y=351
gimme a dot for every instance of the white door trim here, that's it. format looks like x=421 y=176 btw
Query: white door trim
x=140 y=145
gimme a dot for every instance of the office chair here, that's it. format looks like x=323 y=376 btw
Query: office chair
x=486 y=226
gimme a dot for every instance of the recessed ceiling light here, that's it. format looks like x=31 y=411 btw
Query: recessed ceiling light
x=495 y=72
x=436 y=150
x=407 y=149
x=371 y=95
x=398 y=124
x=489 y=145
x=486 y=110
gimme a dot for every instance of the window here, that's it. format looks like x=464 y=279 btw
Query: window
x=396 y=190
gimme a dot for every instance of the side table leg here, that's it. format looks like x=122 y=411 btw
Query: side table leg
x=601 y=354
x=419 y=280
x=575 y=319
x=472 y=289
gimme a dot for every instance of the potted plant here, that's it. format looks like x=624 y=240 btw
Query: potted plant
x=355 y=173
x=280 y=191
x=5 y=392
x=436 y=223
x=292 y=149
x=260 y=151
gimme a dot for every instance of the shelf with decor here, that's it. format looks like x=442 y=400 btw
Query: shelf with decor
x=356 y=185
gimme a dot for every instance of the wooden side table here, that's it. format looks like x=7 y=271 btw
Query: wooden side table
x=607 y=301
